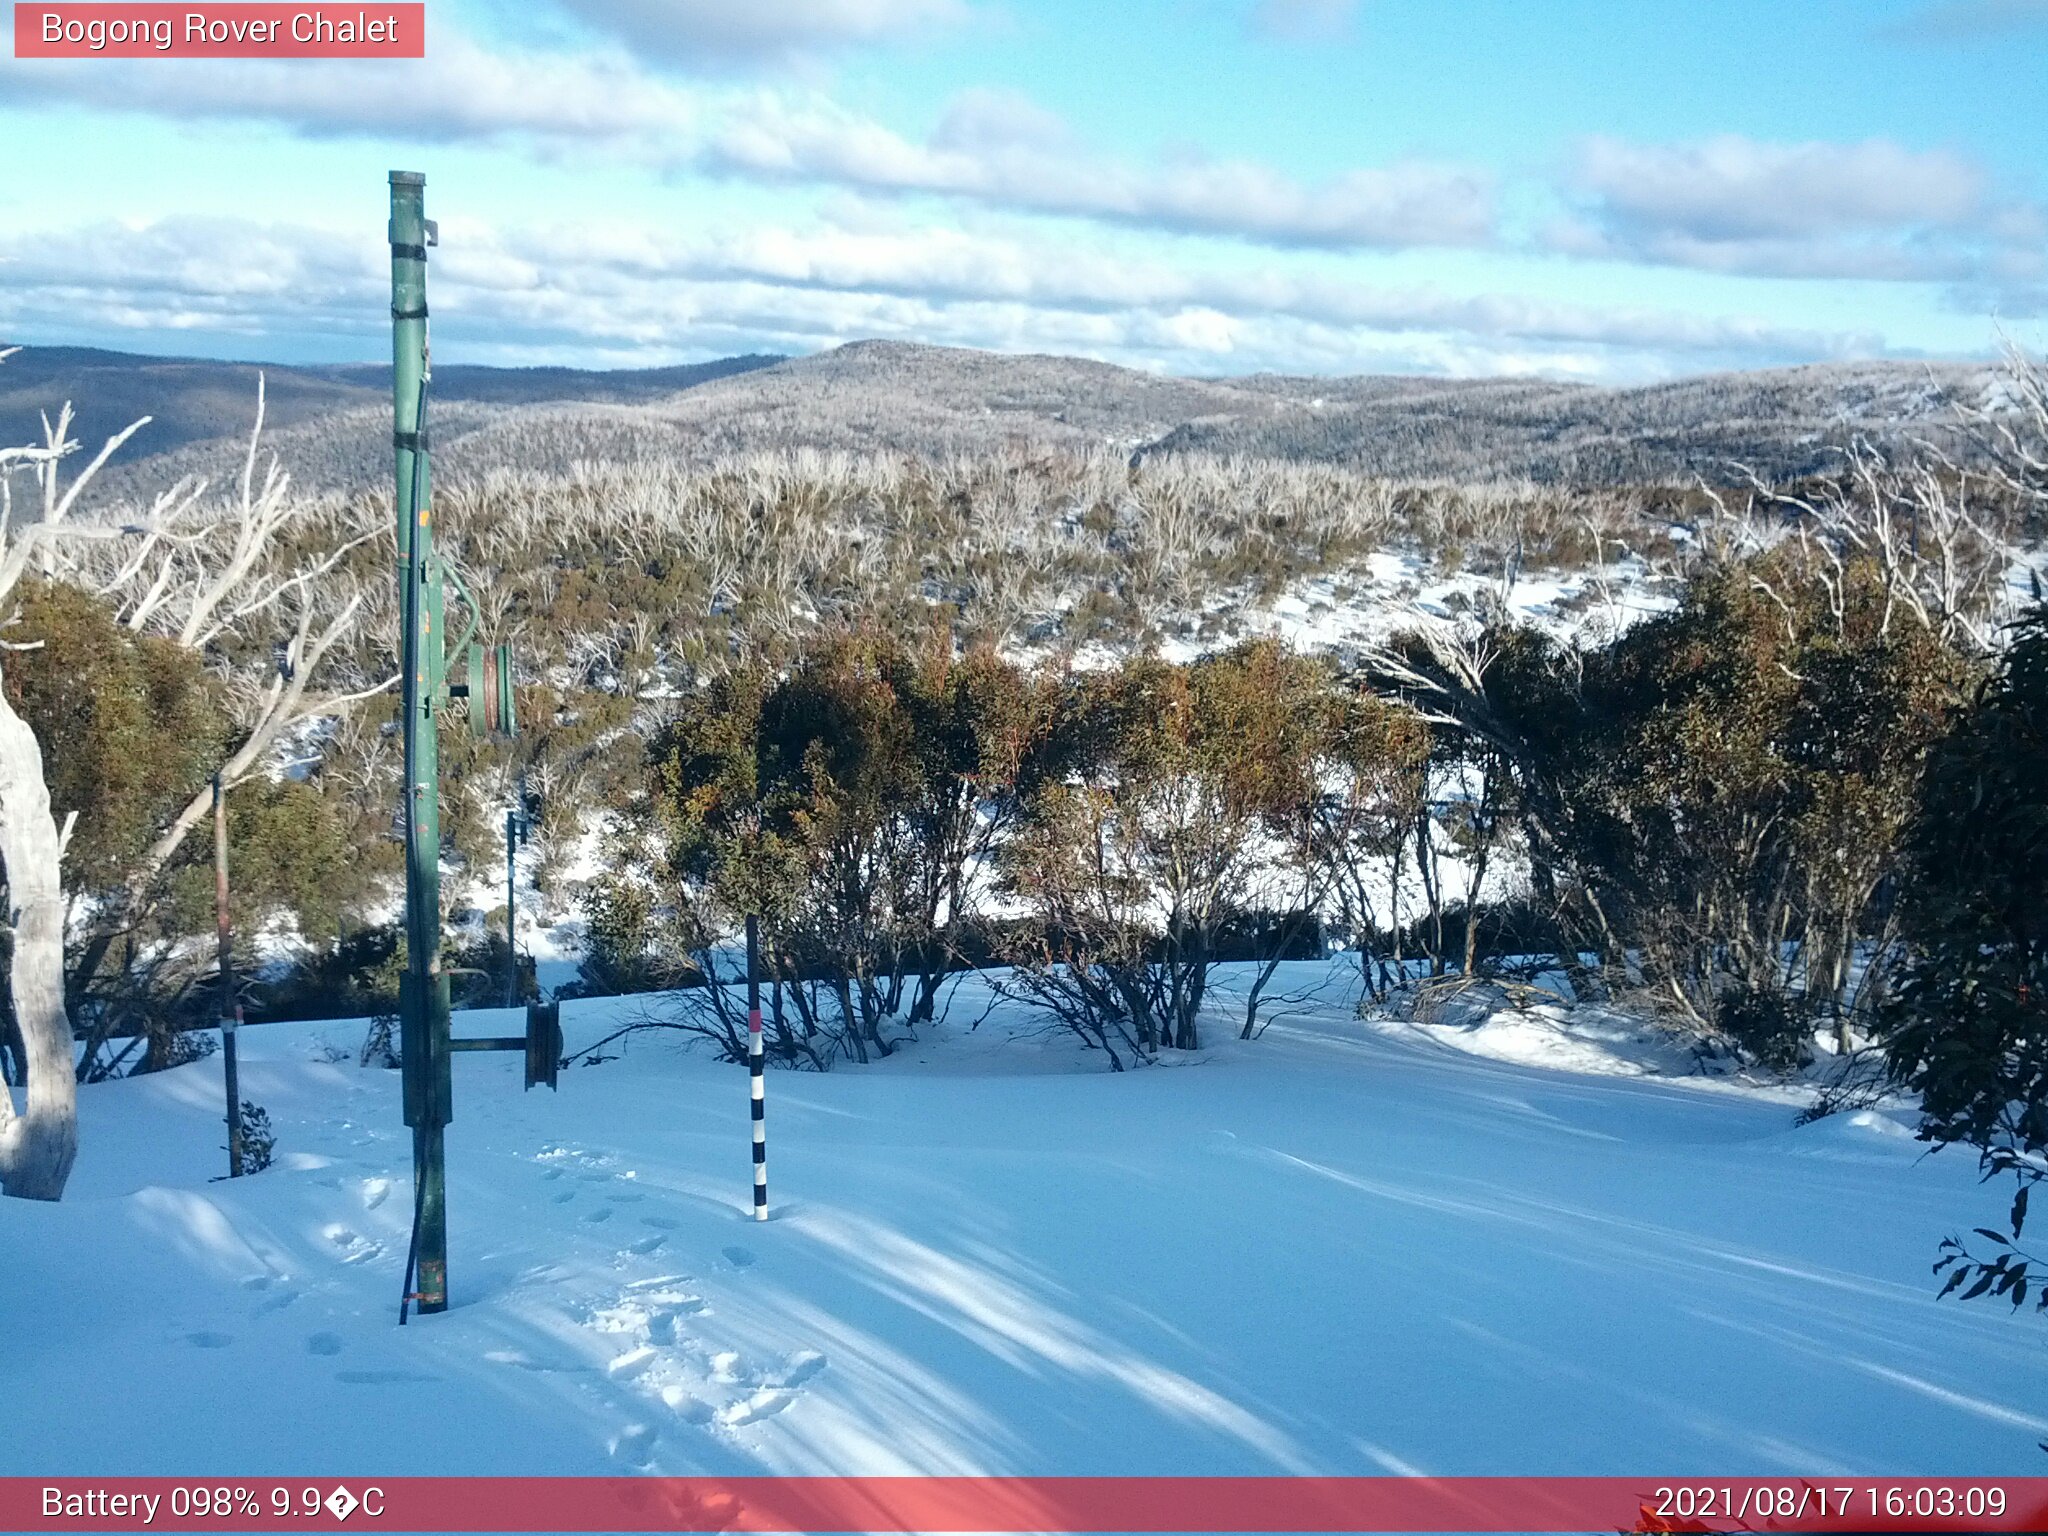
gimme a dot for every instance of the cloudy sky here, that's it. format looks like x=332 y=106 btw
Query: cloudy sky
x=1574 y=188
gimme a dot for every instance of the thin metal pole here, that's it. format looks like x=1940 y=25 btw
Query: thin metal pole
x=424 y=1018
x=756 y=1064
x=511 y=907
x=230 y=1006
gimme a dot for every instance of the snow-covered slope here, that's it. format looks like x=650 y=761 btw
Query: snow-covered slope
x=1331 y=1249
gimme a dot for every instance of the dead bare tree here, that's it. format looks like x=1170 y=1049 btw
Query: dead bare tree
x=198 y=575
x=39 y=1140
x=226 y=574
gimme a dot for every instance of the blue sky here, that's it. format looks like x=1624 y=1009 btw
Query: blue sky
x=1572 y=188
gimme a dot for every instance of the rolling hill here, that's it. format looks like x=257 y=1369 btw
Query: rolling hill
x=329 y=422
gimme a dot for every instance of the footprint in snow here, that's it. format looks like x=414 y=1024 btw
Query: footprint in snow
x=602 y=1213
x=274 y=1298
x=690 y=1409
x=738 y=1257
x=631 y=1363
x=207 y=1339
x=764 y=1404
x=725 y=1366
x=646 y=1245
x=375 y=1193
x=564 y=1197
x=323 y=1344
x=661 y=1326
x=660 y=1223
x=355 y=1248
x=802 y=1367
x=526 y=1362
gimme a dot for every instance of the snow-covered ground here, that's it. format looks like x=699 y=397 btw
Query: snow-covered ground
x=1339 y=1248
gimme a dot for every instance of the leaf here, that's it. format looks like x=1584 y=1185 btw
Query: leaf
x=1995 y=1237
x=1954 y=1280
x=2019 y=1209
x=1981 y=1286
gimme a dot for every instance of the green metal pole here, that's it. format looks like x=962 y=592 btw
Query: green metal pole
x=423 y=995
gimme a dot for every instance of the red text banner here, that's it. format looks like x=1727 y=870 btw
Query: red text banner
x=245 y=30
x=1015 y=1504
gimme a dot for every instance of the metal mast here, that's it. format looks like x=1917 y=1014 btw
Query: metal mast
x=423 y=989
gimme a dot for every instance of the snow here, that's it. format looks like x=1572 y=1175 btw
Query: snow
x=1489 y=1020
x=1340 y=1248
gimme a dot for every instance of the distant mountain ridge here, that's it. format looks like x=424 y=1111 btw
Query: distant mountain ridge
x=328 y=423
x=197 y=399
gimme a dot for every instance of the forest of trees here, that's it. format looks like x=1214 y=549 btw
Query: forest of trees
x=826 y=691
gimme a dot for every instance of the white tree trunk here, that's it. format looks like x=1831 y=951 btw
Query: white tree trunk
x=36 y=1145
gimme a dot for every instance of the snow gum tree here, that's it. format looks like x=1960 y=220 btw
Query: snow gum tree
x=39 y=1140
x=1713 y=802
x=852 y=804
x=1371 y=766
x=224 y=583
x=1135 y=854
x=1968 y=1028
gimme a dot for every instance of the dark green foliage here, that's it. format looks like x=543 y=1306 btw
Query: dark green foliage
x=1769 y=1025
x=478 y=966
x=1713 y=803
x=848 y=803
x=618 y=946
x=259 y=1140
x=812 y=646
x=1968 y=1028
x=130 y=725
x=380 y=1043
x=290 y=854
x=1177 y=793
x=356 y=974
x=2011 y=1273
x=169 y=1042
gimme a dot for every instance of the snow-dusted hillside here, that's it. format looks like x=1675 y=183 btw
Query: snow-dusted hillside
x=1329 y=1250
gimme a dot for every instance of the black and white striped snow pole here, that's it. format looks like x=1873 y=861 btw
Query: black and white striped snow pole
x=756 y=1065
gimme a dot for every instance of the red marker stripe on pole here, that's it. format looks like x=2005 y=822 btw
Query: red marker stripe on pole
x=757 y=1062
x=1016 y=1504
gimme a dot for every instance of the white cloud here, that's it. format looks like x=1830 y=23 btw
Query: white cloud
x=623 y=292
x=1736 y=188
x=990 y=147
x=720 y=33
x=460 y=91
x=1870 y=210
x=981 y=120
x=1006 y=152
